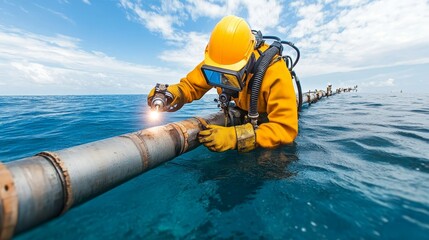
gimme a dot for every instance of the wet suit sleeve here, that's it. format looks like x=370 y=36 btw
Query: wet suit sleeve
x=279 y=95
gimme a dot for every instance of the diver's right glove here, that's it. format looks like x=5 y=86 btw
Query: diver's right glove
x=173 y=98
x=219 y=139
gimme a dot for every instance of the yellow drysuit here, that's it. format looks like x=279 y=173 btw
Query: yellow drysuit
x=276 y=98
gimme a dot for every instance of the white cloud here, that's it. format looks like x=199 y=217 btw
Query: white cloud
x=190 y=52
x=160 y=19
x=36 y=72
x=211 y=9
x=333 y=35
x=311 y=18
x=86 y=2
x=169 y=19
x=349 y=35
x=58 y=14
x=34 y=61
x=263 y=15
x=351 y=3
x=390 y=82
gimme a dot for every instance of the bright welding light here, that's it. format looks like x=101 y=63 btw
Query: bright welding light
x=154 y=115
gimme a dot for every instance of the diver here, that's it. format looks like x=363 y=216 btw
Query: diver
x=253 y=74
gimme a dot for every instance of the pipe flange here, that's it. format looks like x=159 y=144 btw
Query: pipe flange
x=140 y=143
x=9 y=203
x=202 y=121
x=64 y=176
x=182 y=129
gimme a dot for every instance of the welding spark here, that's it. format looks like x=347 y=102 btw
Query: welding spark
x=154 y=115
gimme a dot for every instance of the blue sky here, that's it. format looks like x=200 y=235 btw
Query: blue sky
x=127 y=46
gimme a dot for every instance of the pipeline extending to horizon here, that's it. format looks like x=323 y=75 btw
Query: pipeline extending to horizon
x=36 y=189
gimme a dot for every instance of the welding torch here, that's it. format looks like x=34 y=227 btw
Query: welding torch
x=161 y=99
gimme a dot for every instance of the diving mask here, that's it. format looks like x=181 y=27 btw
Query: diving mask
x=225 y=78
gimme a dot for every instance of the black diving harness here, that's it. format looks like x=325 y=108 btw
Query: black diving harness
x=259 y=68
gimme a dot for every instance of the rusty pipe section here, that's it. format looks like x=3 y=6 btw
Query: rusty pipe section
x=314 y=96
x=38 y=188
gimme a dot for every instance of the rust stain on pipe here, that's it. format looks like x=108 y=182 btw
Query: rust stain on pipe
x=181 y=129
x=141 y=146
x=202 y=122
x=192 y=127
x=44 y=182
x=9 y=203
x=176 y=135
x=64 y=176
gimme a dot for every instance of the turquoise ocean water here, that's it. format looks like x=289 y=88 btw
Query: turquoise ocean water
x=359 y=169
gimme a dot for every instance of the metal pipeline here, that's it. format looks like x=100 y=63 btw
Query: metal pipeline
x=36 y=189
x=314 y=96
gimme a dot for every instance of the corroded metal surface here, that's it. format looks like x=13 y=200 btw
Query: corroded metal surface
x=39 y=190
x=202 y=121
x=64 y=176
x=9 y=204
x=48 y=184
x=99 y=166
x=141 y=145
x=181 y=130
x=36 y=189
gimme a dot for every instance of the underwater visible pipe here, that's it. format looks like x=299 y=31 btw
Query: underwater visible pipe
x=36 y=189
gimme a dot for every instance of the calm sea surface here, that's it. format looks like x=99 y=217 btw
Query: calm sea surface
x=358 y=169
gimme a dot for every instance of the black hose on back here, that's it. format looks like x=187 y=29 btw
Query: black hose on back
x=298 y=86
x=262 y=67
x=298 y=54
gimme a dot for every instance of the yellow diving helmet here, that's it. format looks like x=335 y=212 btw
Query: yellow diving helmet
x=229 y=54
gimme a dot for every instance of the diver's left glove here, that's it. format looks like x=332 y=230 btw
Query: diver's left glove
x=220 y=139
x=173 y=95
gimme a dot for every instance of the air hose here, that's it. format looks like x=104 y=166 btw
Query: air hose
x=298 y=86
x=261 y=68
x=294 y=76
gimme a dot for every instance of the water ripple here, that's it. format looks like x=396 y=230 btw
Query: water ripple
x=359 y=168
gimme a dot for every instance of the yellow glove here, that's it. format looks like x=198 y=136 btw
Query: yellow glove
x=217 y=138
x=220 y=139
x=174 y=98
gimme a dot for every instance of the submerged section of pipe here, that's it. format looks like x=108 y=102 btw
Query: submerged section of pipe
x=36 y=189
